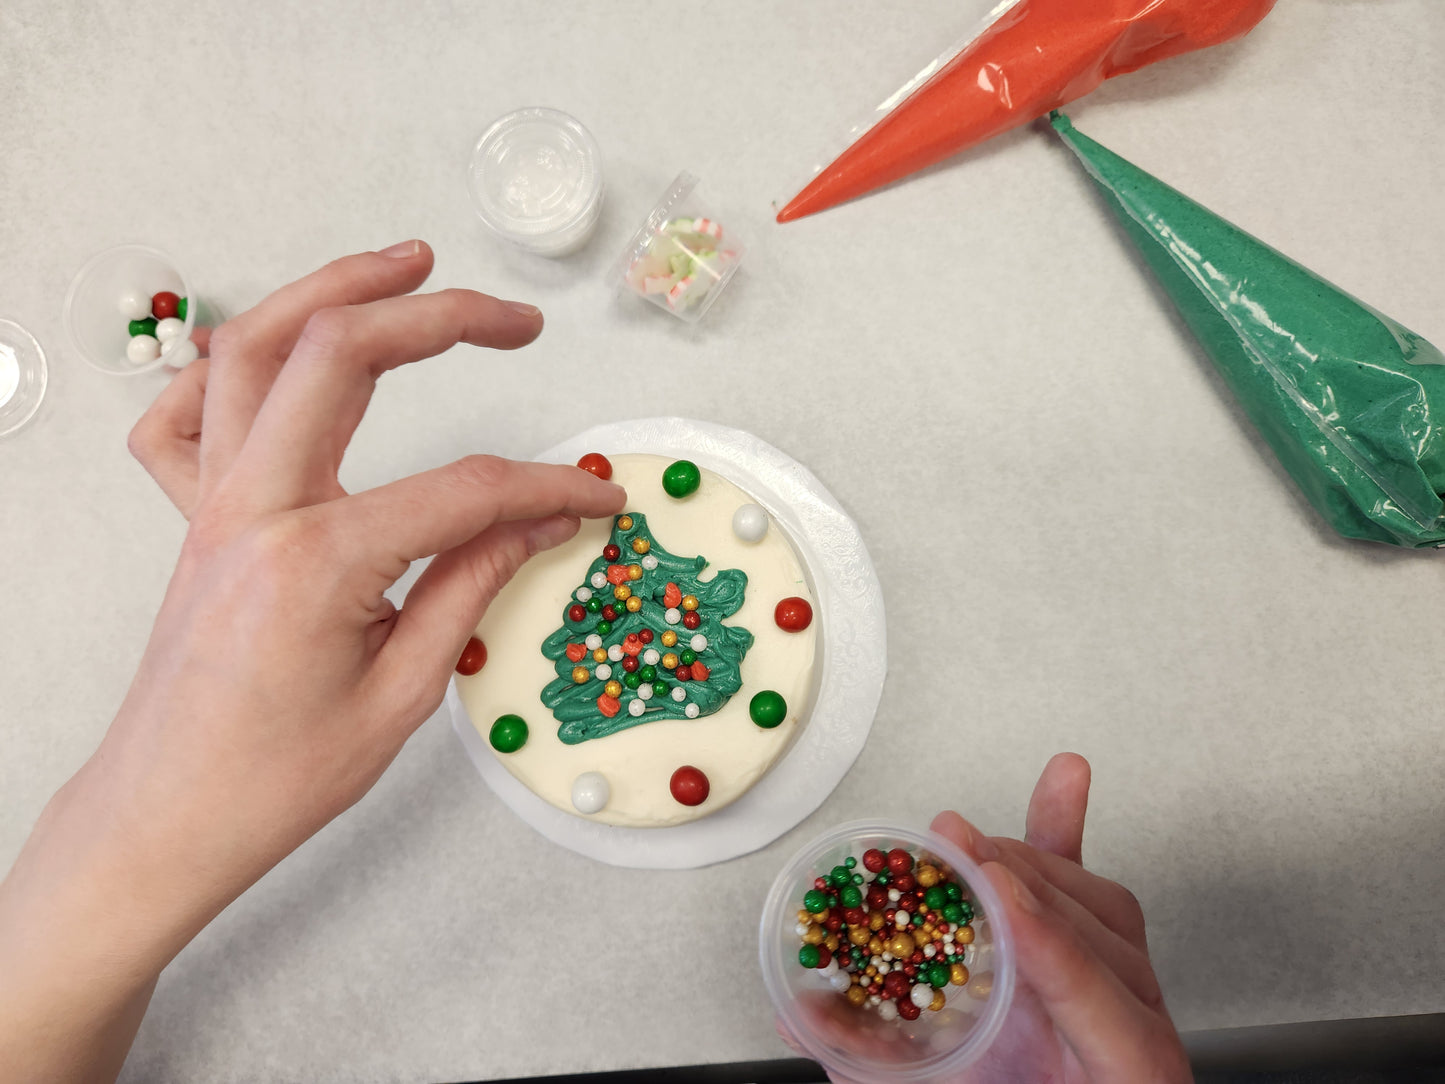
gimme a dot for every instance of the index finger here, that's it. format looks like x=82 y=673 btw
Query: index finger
x=1055 y=820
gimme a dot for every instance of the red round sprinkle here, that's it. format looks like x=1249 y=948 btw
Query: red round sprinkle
x=904 y=883
x=794 y=615
x=474 y=657
x=909 y=904
x=820 y=884
x=907 y=1009
x=645 y=636
x=596 y=463
x=895 y=984
x=576 y=612
x=683 y=673
x=824 y=956
x=689 y=786
x=165 y=304
x=692 y=619
x=834 y=924
x=911 y=970
x=609 y=613
x=629 y=663
x=611 y=552
x=899 y=862
x=877 y=897
x=854 y=916
x=874 y=860
x=917 y=957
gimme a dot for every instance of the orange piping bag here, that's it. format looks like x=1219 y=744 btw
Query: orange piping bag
x=1037 y=56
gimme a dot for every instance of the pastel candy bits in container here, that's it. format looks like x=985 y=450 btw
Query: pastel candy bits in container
x=886 y=955
x=130 y=310
x=683 y=254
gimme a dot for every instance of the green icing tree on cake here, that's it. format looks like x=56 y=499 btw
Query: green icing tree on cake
x=613 y=650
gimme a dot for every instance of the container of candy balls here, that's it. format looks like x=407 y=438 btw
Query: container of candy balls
x=130 y=310
x=886 y=954
x=683 y=254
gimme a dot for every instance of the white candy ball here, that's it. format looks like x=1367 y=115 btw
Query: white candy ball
x=831 y=969
x=170 y=328
x=644 y=691
x=921 y=995
x=178 y=353
x=673 y=615
x=583 y=594
x=929 y=950
x=637 y=707
x=603 y=671
x=134 y=305
x=698 y=642
x=143 y=348
x=679 y=694
x=750 y=522
x=887 y=1010
x=599 y=580
x=692 y=711
x=651 y=657
x=800 y=929
x=590 y=792
x=649 y=562
x=840 y=982
x=593 y=642
x=615 y=652
x=894 y=895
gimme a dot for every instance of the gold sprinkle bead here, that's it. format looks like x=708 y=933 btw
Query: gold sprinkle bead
x=858 y=935
x=815 y=935
x=641 y=545
x=857 y=996
x=634 y=572
x=669 y=661
x=669 y=638
x=600 y=655
x=613 y=689
x=870 y=971
x=689 y=602
x=832 y=942
x=624 y=523
x=958 y=975
x=926 y=876
x=901 y=945
x=963 y=935
x=622 y=592
x=940 y=999
x=634 y=604
x=875 y=947
x=875 y=921
x=580 y=674
x=802 y=915
x=820 y=916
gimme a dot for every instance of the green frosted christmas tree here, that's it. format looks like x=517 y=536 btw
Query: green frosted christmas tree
x=642 y=638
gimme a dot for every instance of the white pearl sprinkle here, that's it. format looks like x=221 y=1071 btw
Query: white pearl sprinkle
x=615 y=652
x=841 y=981
x=590 y=792
x=649 y=562
x=178 y=353
x=142 y=348
x=133 y=305
x=800 y=929
x=875 y=960
x=887 y=957
x=651 y=656
x=894 y=895
x=679 y=694
x=593 y=642
x=636 y=707
x=583 y=594
x=929 y=950
x=644 y=691
x=902 y=920
x=887 y=1010
x=599 y=580
x=830 y=969
x=170 y=328
x=921 y=995
x=699 y=643
x=750 y=522
x=673 y=615
x=692 y=711
x=603 y=671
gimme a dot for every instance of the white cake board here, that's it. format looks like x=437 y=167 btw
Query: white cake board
x=853 y=659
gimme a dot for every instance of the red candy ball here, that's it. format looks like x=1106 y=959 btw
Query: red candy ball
x=794 y=615
x=692 y=619
x=474 y=657
x=905 y=883
x=598 y=464
x=911 y=970
x=689 y=786
x=899 y=862
x=645 y=636
x=877 y=898
x=834 y=924
x=609 y=613
x=824 y=956
x=165 y=304
x=683 y=673
x=909 y=904
x=629 y=663
x=874 y=860
x=576 y=613
x=895 y=984
x=907 y=1009
x=611 y=552
x=854 y=916
x=917 y=957
x=820 y=884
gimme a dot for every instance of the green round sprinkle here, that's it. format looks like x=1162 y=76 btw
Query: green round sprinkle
x=594 y=606
x=183 y=307
x=935 y=897
x=688 y=657
x=938 y=976
x=808 y=956
x=857 y=878
x=953 y=912
x=604 y=627
x=143 y=327
x=648 y=673
x=953 y=891
x=850 y=862
x=508 y=733
x=681 y=479
x=917 y=918
x=632 y=681
x=839 y=876
x=659 y=688
x=850 y=896
x=881 y=878
x=768 y=709
x=814 y=901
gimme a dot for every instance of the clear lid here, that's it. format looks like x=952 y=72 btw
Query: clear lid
x=23 y=376
x=535 y=178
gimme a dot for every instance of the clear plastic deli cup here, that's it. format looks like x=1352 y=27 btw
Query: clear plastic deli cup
x=535 y=176
x=951 y=984
x=115 y=293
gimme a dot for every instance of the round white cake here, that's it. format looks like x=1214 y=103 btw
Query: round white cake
x=683 y=699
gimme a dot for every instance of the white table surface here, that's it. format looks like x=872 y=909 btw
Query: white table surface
x=1081 y=544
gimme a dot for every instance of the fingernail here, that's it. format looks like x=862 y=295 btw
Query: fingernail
x=522 y=308
x=402 y=250
x=551 y=532
x=983 y=848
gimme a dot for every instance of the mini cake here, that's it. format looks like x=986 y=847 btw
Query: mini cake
x=652 y=669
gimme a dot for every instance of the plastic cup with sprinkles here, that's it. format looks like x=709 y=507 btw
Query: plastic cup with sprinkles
x=886 y=955
x=131 y=310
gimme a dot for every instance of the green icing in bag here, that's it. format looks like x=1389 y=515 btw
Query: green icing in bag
x=1350 y=401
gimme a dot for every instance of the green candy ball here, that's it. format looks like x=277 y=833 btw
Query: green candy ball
x=632 y=681
x=768 y=709
x=850 y=862
x=681 y=479
x=183 y=307
x=659 y=689
x=953 y=912
x=938 y=976
x=935 y=897
x=808 y=956
x=143 y=327
x=850 y=896
x=648 y=673
x=917 y=918
x=839 y=876
x=688 y=657
x=594 y=606
x=604 y=627
x=954 y=891
x=508 y=733
x=814 y=901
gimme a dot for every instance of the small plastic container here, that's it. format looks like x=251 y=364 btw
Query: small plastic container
x=23 y=377
x=683 y=254
x=535 y=177
x=94 y=322
x=858 y=1043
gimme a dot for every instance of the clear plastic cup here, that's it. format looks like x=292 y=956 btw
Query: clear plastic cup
x=858 y=1043
x=23 y=376
x=93 y=320
x=535 y=177
x=684 y=253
